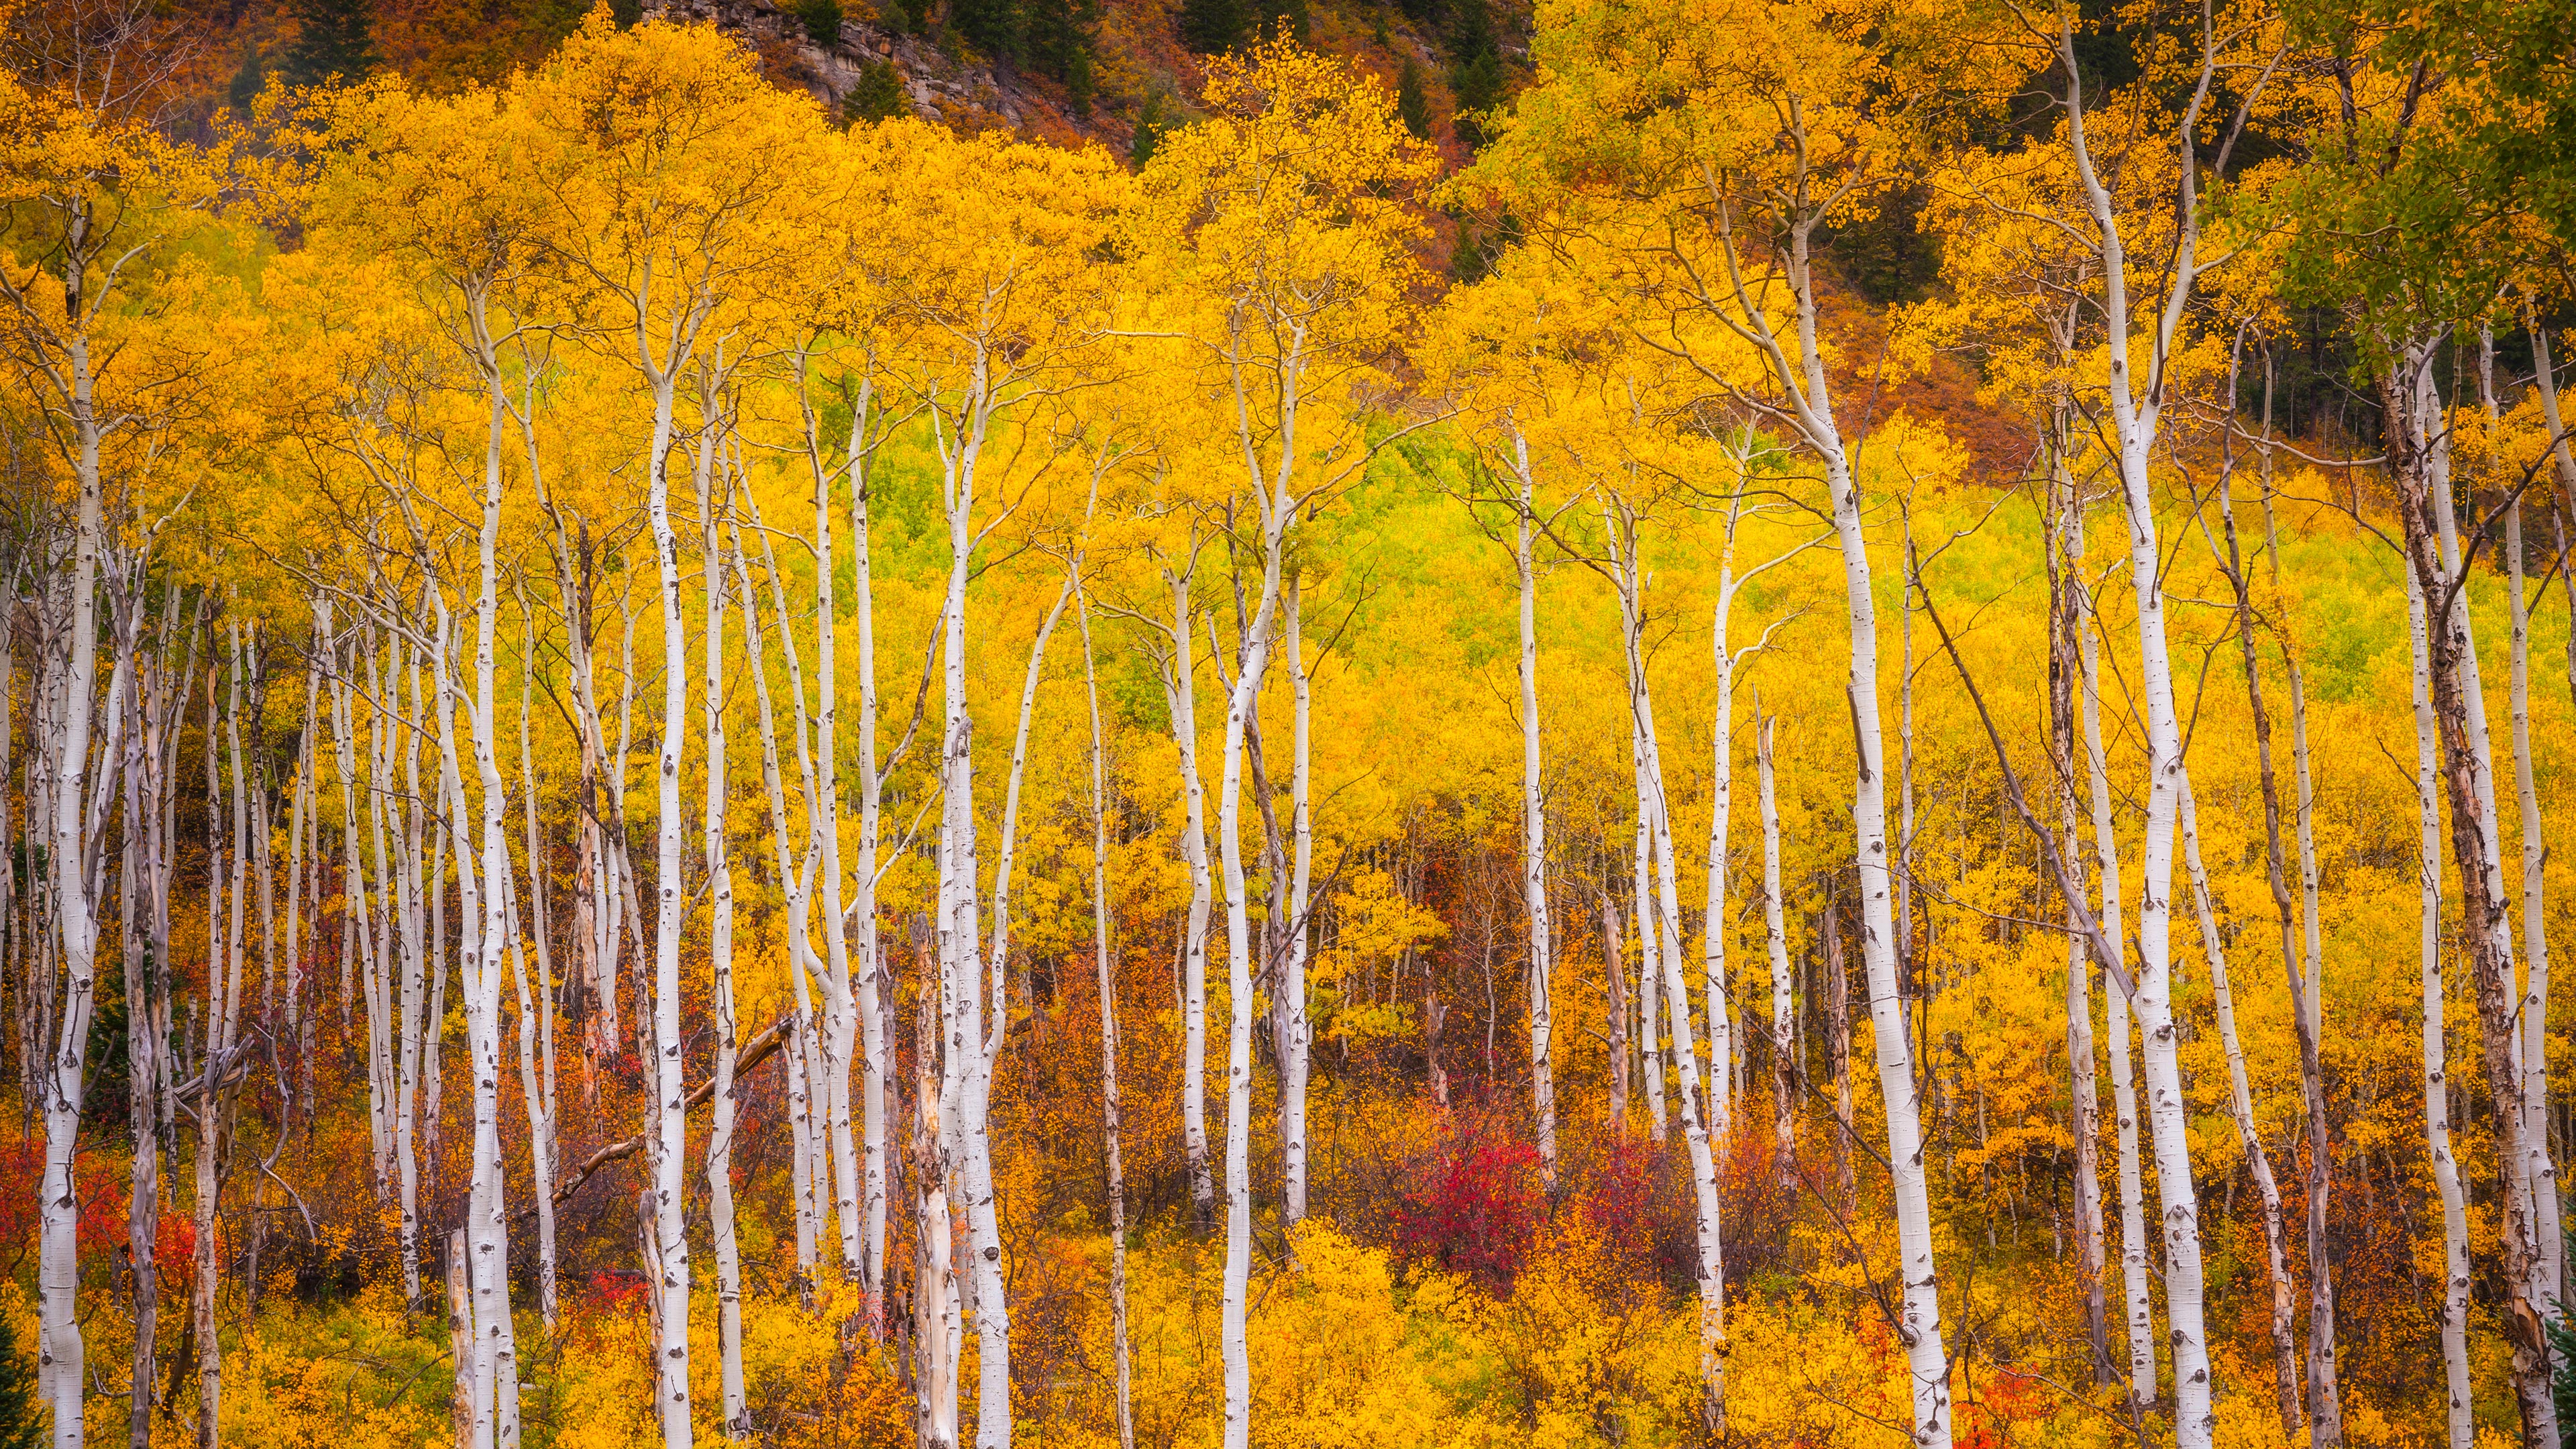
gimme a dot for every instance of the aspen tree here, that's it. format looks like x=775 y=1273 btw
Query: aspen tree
x=2137 y=1308
x=1285 y=218
x=2136 y=406
x=675 y=167
x=537 y=1029
x=1784 y=1107
x=1108 y=986
x=2285 y=1350
x=1707 y=237
x=2533 y=1010
x=2458 y=1423
x=712 y=456
x=999 y=325
x=84 y=156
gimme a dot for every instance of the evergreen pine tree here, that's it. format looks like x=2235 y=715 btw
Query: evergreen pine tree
x=1410 y=105
x=1212 y=27
x=822 y=19
x=878 y=95
x=332 y=38
x=1059 y=42
x=993 y=27
x=1150 y=125
x=19 y=1417
x=1475 y=66
x=247 y=82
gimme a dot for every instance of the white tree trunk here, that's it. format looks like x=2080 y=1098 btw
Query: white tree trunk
x=1534 y=827
x=537 y=1056
x=670 y=1286
x=2136 y=1301
x=2240 y=1100
x=1704 y=1200
x=2134 y=412
x=1181 y=694
x=1108 y=985
x=2458 y=1409
x=720 y=1207
x=2067 y=603
x=1784 y=1010
x=1919 y=1326
x=811 y=1171
x=2545 y=1268
x=1296 y=1043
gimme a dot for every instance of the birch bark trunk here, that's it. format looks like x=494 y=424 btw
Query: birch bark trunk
x=2458 y=1420
x=2137 y=1304
x=1784 y=1017
x=1811 y=408
x=2134 y=415
x=2545 y=1268
x=1534 y=828
x=2066 y=615
x=1108 y=987
x=720 y=1206
x=537 y=1057
x=1614 y=973
x=1180 y=693
x=2419 y=457
x=670 y=1139
x=2286 y=1371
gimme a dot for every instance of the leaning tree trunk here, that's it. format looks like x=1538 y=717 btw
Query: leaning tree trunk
x=1919 y=1326
x=2240 y=1099
x=2285 y=1355
x=2535 y=938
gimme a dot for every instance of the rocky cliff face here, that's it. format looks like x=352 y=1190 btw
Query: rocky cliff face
x=948 y=82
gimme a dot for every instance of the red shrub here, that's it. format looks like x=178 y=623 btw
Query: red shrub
x=1473 y=1207
x=611 y=1290
x=106 y=1227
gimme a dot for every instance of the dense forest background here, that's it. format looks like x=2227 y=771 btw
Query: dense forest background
x=1411 y=723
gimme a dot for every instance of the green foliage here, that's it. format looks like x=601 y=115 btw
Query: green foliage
x=995 y=28
x=1477 y=249
x=20 y=1424
x=822 y=20
x=247 y=82
x=878 y=95
x=1152 y=120
x=1410 y=105
x=1888 y=254
x=626 y=12
x=333 y=38
x=1212 y=27
x=1475 y=67
x=1060 y=36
